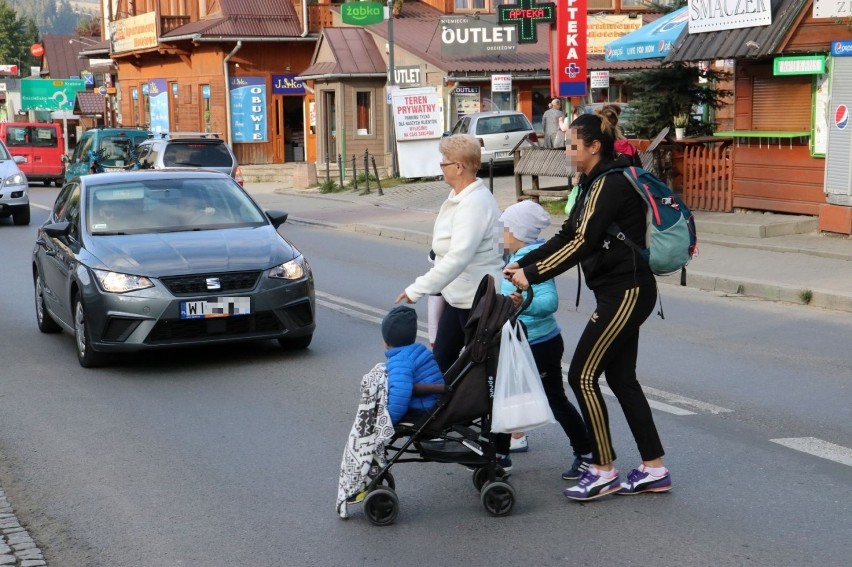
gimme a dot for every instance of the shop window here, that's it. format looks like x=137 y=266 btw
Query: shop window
x=363 y=113
x=470 y=5
x=632 y=4
x=499 y=101
x=206 y=119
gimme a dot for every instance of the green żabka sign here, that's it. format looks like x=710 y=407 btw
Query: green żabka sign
x=50 y=94
x=362 y=13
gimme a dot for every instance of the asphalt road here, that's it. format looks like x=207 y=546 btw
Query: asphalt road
x=230 y=456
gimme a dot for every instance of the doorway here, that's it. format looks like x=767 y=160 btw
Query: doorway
x=289 y=132
x=330 y=126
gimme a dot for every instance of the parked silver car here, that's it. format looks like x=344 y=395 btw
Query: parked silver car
x=14 y=199
x=189 y=150
x=153 y=259
x=498 y=133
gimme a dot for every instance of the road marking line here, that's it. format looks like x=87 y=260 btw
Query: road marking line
x=703 y=407
x=359 y=315
x=43 y=207
x=818 y=448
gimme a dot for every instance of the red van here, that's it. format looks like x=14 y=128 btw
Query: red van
x=43 y=147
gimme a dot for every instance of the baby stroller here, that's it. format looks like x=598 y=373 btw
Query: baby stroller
x=458 y=428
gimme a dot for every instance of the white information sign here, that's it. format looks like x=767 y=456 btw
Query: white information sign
x=418 y=119
x=717 y=15
x=501 y=83
x=599 y=79
x=417 y=114
x=832 y=8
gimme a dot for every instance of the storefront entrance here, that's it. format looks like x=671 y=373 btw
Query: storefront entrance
x=289 y=129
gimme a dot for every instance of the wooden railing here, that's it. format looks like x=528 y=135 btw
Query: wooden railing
x=319 y=16
x=708 y=174
x=169 y=23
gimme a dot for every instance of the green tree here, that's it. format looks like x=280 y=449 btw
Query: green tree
x=660 y=94
x=17 y=34
x=51 y=16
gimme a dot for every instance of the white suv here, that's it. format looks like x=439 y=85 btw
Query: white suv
x=14 y=200
x=499 y=132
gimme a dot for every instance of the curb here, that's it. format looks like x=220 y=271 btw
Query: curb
x=697 y=280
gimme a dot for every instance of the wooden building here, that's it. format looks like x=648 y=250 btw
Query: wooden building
x=778 y=162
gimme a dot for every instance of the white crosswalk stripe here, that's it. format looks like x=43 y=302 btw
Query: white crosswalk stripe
x=818 y=448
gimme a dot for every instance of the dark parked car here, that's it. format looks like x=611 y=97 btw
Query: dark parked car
x=177 y=150
x=150 y=259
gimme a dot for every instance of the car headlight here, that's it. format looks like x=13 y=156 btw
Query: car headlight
x=292 y=270
x=16 y=179
x=114 y=282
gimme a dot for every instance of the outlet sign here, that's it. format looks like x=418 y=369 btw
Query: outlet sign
x=362 y=13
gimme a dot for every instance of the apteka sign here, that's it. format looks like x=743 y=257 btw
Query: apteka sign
x=569 y=61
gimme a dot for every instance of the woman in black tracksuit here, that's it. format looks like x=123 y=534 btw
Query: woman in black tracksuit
x=625 y=291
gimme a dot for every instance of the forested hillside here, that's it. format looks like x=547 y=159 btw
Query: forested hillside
x=53 y=16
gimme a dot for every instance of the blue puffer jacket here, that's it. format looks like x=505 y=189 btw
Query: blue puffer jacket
x=409 y=365
x=538 y=317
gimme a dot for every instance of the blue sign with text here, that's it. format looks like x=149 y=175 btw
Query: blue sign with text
x=841 y=48
x=248 y=109
x=287 y=84
x=159 y=105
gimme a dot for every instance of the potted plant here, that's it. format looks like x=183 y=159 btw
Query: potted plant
x=680 y=122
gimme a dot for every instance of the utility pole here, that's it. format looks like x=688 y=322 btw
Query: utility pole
x=391 y=83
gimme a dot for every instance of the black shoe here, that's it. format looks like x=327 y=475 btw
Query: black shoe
x=580 y=465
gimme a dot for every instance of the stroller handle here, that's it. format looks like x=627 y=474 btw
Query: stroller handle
x=525 y=303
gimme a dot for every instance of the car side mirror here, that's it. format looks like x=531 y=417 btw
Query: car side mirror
x=19 y=159
x=277 y=218
x=65 y=159
x=57 y=229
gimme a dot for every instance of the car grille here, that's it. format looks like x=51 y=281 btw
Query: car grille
x=197 y=283
x=193 y=329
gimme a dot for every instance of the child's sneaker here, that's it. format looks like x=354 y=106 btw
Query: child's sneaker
x=519 y=445
x=580 y=465
x=504 y=462
x=640 y=480
x=592 y=485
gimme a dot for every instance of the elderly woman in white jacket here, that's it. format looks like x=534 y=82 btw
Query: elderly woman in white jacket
x=468 y=243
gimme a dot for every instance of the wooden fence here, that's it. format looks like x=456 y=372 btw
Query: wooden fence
x=708 y=175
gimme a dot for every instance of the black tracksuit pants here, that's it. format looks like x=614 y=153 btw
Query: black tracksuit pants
x=609 y=345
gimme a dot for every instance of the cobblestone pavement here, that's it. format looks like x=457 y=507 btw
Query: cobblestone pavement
x=17 y=548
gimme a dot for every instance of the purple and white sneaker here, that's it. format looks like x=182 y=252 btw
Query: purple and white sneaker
x=639 y=481
x=592 y=485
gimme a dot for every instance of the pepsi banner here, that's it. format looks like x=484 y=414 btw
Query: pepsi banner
x=568 y=55
x=841 y=48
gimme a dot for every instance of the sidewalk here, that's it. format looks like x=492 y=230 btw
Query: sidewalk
x=755 y=255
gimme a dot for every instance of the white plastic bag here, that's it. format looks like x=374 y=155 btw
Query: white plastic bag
x=520 y=403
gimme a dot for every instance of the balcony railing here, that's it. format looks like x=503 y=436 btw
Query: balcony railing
x=169 y=23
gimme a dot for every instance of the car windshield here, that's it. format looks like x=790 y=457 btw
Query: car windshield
x=115 y=150
x=197 y=155
x=169 y=205
x=502 y=124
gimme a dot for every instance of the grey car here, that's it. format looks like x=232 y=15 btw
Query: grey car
x=189 y=150
x=14 y=199
x=499 y=132
x=147 y=260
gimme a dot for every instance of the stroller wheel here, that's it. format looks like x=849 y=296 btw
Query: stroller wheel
x=480 y=476
x=381 y=506
x=387 y=480
x=497 y=497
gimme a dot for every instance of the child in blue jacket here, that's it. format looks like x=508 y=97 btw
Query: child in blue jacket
x=408 y=363
x=522 y=224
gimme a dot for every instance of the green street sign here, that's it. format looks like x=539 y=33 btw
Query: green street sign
x=50 y=94
x=362 y=13
x=799 y=65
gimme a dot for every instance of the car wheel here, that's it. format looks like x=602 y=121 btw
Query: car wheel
x=297 y=343
x=21 y=215
x=87 y=357
x=58 y=182
x=46 y=324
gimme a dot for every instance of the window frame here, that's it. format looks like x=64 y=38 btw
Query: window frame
x=371 y=125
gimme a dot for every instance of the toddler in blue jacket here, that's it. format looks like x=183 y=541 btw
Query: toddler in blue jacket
x=408 y=363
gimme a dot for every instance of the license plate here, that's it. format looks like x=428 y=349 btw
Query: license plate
x=501 y=154
x=211 y=309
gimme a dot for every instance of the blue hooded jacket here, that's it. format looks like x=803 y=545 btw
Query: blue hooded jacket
x=406 y=366
x=538 y=317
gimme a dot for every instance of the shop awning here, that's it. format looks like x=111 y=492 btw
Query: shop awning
x=651 y=41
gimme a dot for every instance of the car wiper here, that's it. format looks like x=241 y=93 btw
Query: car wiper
x=112 y=233
x=187 y=163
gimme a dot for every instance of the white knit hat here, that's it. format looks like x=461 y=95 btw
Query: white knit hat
x=525 y=220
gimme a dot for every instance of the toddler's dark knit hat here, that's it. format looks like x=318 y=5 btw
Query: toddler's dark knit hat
x=399 y=327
